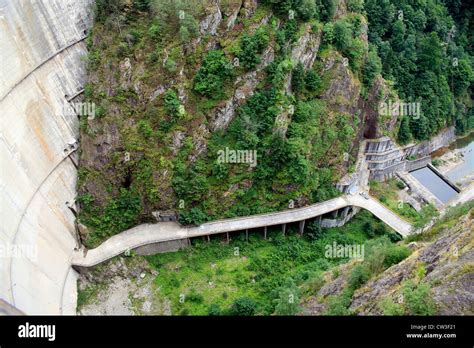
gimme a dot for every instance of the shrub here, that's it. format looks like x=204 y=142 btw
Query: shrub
x=194 y=297
x=122 y=50
x=418 y=299
x=359 y=276
x=155 y=31
x=193 y=217
x=390 y=308
x=288 y=302
x=100 y=111
x=214 y=72
x=312 y=81
x=355 y=5
x=314 y=231
x=328 y=33
x=328 y=9
x=172 y=104
x=306 y=9
x=144 y=128
x=243 y=306
x=338 y=305
x=297 y=79
x=436 y=162
x=171 y=66
x=214 y=310
x=400 y=184
x=141 y=5
x=251 y=46
x=395 y=254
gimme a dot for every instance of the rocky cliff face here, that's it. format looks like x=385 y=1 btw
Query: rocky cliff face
x=141 y=68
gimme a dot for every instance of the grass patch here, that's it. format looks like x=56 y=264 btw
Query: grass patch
x=211 y=278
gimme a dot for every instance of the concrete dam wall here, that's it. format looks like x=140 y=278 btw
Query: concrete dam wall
x=42 y=48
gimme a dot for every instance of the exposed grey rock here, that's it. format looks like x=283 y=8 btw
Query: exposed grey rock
x=211 y=22
x=231 y=12
x=157 y=92
x=177 y=139
x=225 y=114
x=448 y=262
x=306 y=48
x=183 y=97
x=125 y=67
x=249 y=7
x=282 y=121
x=343 y=90
x=199 y=141
x=341 y=10
x=267 y=57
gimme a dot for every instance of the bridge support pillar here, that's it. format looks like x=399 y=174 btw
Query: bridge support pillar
x=319 y=219
x=228 y=239
x=247 y=235
x=283 y=228
x=302 y=226
x=265 y=232
x=208 y=239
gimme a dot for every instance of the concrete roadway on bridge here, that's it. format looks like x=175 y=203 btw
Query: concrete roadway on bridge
x=167 y=231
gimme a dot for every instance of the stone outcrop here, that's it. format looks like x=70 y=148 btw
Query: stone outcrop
x=449 y=264
x=306 y=48
x=225 y=114
x=212 y=20
x=343 y=91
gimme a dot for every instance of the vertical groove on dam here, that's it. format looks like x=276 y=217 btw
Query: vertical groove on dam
x=42 y=53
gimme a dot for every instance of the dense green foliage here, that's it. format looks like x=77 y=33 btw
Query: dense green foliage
x=120 y=214
x=251 y=46
x=215 y=71
x=154 y=135
x=261 y=276
x=429 y=59
x=380 y=255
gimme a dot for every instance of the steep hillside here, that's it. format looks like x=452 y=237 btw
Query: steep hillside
x=437 y=278
x=224 y=108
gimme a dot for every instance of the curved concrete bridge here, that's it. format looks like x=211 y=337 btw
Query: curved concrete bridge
x=170 y=231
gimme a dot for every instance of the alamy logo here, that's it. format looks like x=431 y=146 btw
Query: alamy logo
x=237 y=156
x=79 y=109
x=37 y=331
x=351 y=251
x=400 y=109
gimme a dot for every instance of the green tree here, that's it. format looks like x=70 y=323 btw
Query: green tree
x=342 y=35
x=306 y=9
x=418 y=299
x=328 y=9
x=328 y=33
x=404 y=134
x=312 y=81
x=419 y=127
x=243 y=306
x=297 y=78
x=211 y=77
x=372 y=67
x=288 y=300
